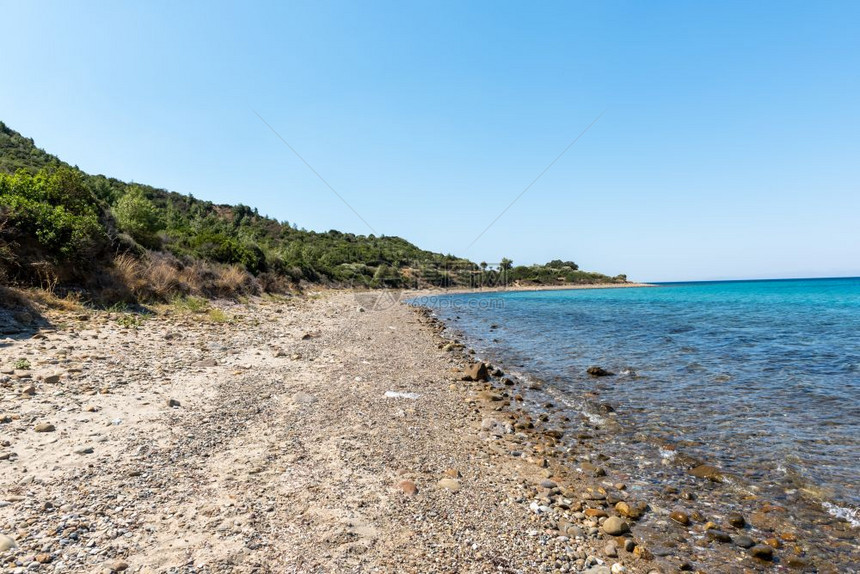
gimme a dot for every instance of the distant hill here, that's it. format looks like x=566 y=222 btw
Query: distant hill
x=63 y=228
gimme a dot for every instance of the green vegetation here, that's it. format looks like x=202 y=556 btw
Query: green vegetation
x=22 y=364
x=117 y=241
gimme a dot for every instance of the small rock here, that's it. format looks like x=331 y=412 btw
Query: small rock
x=119 y=566
x=476 y=372
x=744 y=541
x=44 y=558
x=206 y=363
x=452 y=473
x=451 y=484
x=408 y=487
x=762 y=552
x=44 y=427
x=83 y=450
x=6 y=543
x=680 y=517
x=719 y=536
x=633 y=510
x=302 y=398
x=29 y=390
x=547 y=484
x=598 y=372
x=615 y=526
x=736 y=519
x=173 y=403
x=712 y=473
x=52 y=379
x=610 y=550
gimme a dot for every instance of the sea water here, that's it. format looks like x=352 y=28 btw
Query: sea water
x=760 y=377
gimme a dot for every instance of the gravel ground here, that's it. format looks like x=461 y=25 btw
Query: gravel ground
x=266 y=443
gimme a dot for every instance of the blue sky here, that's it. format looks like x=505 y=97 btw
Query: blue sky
x=728 y=148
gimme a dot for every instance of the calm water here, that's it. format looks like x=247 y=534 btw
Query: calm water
x=762 y=377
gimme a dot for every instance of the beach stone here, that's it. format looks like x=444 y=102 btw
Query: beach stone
x=762 y=552
x=595 y=371
x=476 y=372
x=736 y=519
x=610 y=550
x=707 y=471
x=43 y=558
x=634 y=509
x=407 y=487
x=52 y=379
x=719 y=536
x=744 y=541
x=489 y=396
x=29 y=390
x=452 y=473
x=547 y=483
x=206 y=363
x=83 y=450
x=615 y=526
x=6 y=543
x=173 y=403
x=119 y=566
x=44 y=427
x=629 y=545
x=680 y=517
x=451 y=484
x=594 y=512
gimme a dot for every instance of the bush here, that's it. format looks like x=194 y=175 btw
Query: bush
x=138 y=217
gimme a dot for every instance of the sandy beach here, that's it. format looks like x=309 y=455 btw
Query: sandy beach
x=312 y=434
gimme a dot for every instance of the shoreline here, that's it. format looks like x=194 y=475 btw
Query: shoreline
x=788 y=546
x=316 y=434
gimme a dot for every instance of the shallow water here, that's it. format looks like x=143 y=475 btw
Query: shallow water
x=761 y=377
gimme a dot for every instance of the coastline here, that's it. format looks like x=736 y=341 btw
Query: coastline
x=525 y=288
x=719 y=530
x=315 y=434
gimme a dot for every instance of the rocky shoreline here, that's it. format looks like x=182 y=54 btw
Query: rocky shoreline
x=686 y=513
x=320 y=434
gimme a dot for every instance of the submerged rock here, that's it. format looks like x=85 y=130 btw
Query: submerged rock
x=596 y=371
x=707 y=471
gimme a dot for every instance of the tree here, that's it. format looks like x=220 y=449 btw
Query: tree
x=138 y=217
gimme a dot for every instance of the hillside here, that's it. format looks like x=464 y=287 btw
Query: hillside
x=63 y=228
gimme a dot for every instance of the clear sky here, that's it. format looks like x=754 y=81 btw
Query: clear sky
x=729 y=146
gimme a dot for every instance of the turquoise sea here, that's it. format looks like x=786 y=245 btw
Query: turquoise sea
x=761 y=378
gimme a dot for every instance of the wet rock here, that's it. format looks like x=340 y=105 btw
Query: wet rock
x=489 y=396
x=476 y=372
x=450 y=484
x=744 y=541
x=44 y=427
x=407 y=487
x=634 y=509
x=719 y=536
x=707 y=471
x=629 y=545
x=762 y=552
x=680 y=517
x=797 y=563
x=736 y=519
x=596 y=371
x=615 y=526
